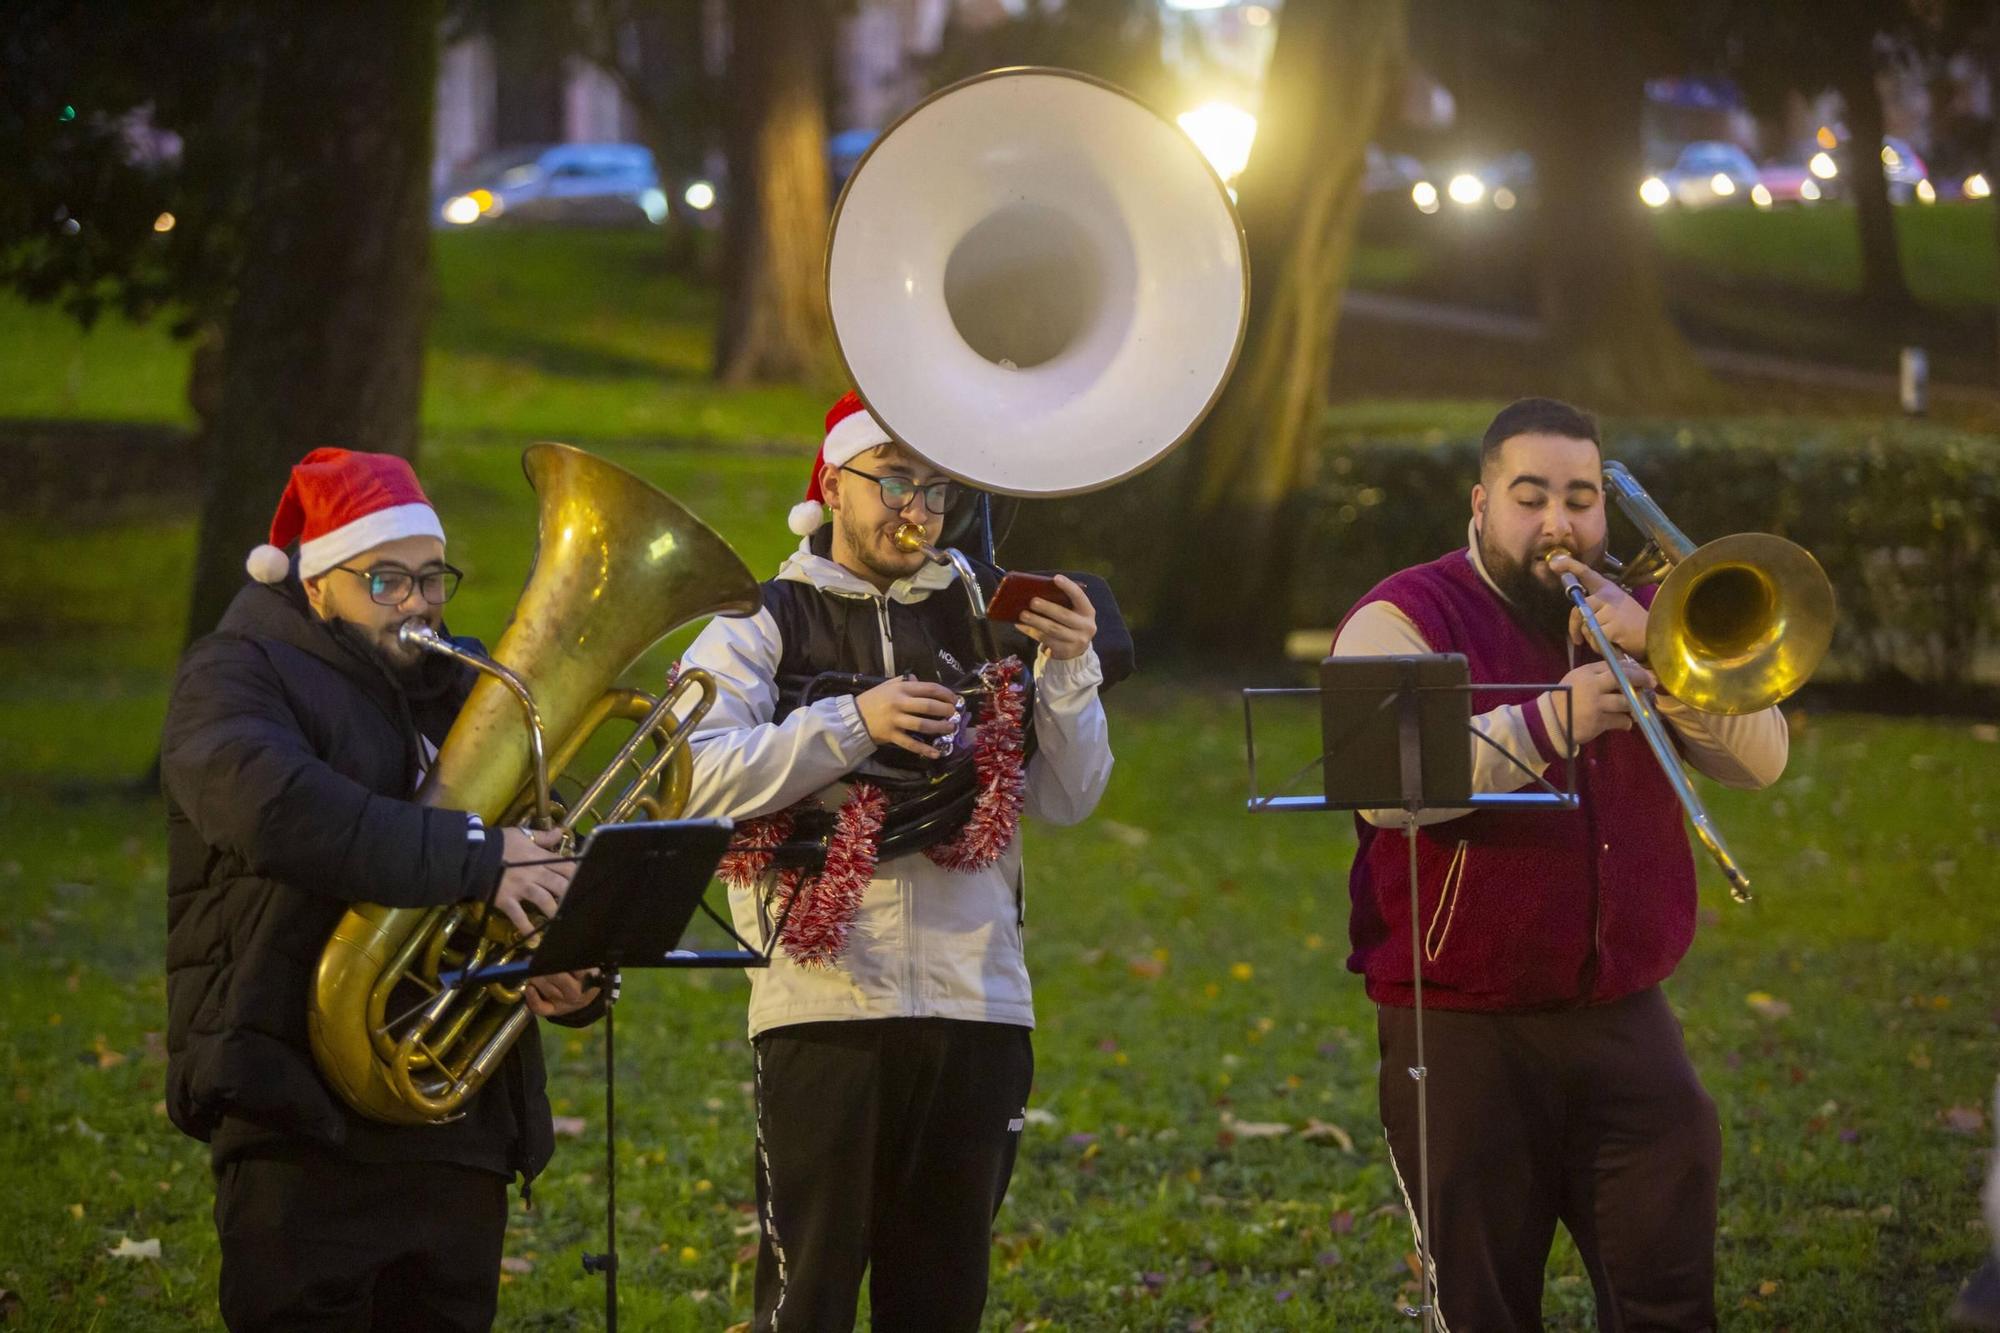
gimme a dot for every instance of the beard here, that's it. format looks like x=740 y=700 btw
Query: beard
x=412 y=668
x=1538 y=600
x=874 y=548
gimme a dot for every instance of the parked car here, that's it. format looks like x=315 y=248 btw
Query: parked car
x=1706 y=173
x=1904 y=170
x=603 y=184
x=1499 y=183
x=1786 y=183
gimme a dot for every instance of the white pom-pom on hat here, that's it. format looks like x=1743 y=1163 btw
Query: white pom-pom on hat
x=268 y=564
x=805 y=517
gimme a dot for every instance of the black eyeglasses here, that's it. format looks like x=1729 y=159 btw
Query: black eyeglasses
x=939 y=496
x=390 y=586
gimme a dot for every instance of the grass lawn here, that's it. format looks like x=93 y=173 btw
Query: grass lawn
x=574 y=335
x=1784 y=282
x=1192 y=998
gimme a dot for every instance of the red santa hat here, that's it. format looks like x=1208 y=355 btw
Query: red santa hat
x=850 y=431
x=338 y=504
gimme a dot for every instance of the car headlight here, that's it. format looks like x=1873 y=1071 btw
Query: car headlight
x=461 y=210
x=1425 y=196
x=1654 y=192
x=1760 y=196
x=1976 y=186
x=1823 y=166
x=1466 y=189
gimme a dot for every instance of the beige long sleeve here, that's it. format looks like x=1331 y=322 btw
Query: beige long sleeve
x=1747 y=751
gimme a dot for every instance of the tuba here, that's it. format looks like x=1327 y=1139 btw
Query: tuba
x=1067 y=305
x=618 y=565
x=1062 y=312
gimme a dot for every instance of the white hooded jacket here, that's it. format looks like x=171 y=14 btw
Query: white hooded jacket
x=927 y=942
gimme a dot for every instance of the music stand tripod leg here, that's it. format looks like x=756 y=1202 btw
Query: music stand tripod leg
x=607 y=1262
x=1410 y=738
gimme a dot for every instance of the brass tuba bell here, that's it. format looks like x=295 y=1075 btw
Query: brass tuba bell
x=618 y=566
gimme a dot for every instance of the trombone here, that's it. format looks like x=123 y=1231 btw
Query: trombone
x=1737 y=625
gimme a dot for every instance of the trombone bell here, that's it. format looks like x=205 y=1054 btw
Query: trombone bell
x=1740 y=624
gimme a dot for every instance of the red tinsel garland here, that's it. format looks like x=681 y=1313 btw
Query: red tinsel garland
x=816 y=926
x=997 y=763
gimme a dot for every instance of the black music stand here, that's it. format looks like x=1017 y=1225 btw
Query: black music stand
x=1393 y=733
x=636 y=889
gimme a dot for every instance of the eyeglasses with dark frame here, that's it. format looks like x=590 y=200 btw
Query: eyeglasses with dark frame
x=939 y=496
x=389 y=585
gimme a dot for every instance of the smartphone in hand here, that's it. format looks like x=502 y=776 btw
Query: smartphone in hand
x=1016 y=590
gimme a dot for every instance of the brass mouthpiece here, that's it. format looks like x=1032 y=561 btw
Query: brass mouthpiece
x=909 y=537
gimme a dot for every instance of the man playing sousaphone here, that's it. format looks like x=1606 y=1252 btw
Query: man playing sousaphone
x=891 y=1032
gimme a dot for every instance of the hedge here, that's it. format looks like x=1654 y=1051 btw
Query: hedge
x=1904 y=516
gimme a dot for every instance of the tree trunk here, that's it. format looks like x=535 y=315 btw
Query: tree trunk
x=774 y=320
x=325 y=340
x=1597 y=274
x=1883 y=287
x=1993 y=151
x=1336 y=64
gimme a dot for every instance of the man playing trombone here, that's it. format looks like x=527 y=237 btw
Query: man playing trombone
x=1559 y=1086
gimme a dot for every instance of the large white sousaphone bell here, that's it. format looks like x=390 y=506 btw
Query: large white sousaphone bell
x=1037 y=283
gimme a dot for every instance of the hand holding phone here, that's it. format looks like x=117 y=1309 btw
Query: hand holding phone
x=1016 y=590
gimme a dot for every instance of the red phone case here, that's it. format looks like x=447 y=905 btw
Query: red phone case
x=1016 y=590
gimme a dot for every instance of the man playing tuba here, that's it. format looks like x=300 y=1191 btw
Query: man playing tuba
x=891 y=1032
x=296 y=736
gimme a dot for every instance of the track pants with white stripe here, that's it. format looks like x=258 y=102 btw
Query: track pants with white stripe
x=884 y=1147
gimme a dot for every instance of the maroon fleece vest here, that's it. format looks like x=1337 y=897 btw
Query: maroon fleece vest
x=1523 y=909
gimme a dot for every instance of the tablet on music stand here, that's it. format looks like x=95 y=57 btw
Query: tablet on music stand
x=636 y=888
x=1362 y=737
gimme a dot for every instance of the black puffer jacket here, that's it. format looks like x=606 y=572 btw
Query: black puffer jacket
x=288 y=760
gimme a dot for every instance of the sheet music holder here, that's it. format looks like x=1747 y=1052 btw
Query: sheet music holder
x=636 y=889
x=1396 y=735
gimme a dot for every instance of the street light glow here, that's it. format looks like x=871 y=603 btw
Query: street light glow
x=1760 y=196
x=700 y=196
x=1223 y=133
x=164 y=222
x=461 y=210
x=1809 y=190
x=1425 y=196
x=1654 y=192
x=1466 y=189
x=1926 y=192
x=1822 y=166
x=1503 y=199
x=1721 y=184
x=1975 y=186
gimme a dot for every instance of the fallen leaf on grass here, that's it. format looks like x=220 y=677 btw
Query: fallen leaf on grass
x=1343 y=1222
x=1126 y=835
x=514 y=1264
x=1768 y=1287
x=571 y=1126
x=1320 y=1129
x=1035 y=1115
x=1767 y=1006
x=1963 y=1119
x=1254 y=1129
x=127 y=1248
x=1146 y=969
